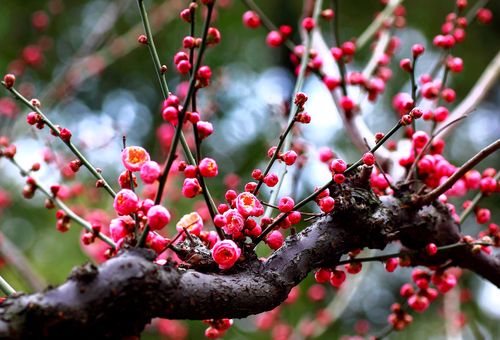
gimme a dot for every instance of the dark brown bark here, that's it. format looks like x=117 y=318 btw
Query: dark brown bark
x=121 y=296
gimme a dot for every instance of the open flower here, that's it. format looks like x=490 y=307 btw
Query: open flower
x=192 y=222
x=226 y=253
x=234 y=222
x=249 y=205
x=133 y=157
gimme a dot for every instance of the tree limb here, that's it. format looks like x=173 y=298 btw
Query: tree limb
x=121 y=296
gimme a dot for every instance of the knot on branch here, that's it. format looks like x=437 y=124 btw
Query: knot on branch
x=429 y=224
x=84 y=273
x=359 y=212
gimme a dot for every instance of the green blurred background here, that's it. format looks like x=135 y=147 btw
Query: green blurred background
x=123 y=98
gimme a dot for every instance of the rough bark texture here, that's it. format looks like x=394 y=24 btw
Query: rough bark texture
x=121 y=296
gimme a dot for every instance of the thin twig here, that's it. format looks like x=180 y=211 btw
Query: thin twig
x=14 y=257
x=68 y=143
x=277 y=152
x=178 y=135
x=408 y=252
x=69 y=212
x=178 y=131
x=428 y=144
x=266 y=22
x=152 y=49
x=434 y=194
x=161 y=76
x=379 y=168
x=287 y=142
x=382 y=43
x=336 y=33
x=324 y=187
x=471 y=14
x=377 y=23
x=478 y=92
x=475 y=201
x=6 y=287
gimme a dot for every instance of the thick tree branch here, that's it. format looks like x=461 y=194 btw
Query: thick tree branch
x=121 y=296
x=487 y=266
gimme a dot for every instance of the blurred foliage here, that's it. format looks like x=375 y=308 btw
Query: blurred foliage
x=242 y=51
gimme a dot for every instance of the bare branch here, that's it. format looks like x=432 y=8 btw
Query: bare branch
x=377 y=23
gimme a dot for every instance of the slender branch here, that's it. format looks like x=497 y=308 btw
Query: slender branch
x=192 y=32
x=14 y=257
x=444 y=78
x=428 y=144
x=384 y=333
x=266 y=22
x=380 y=170
x=324 y=187
x=69 y=212
x=152 y=49
x=68 y=143
x=355 y=126
x=6 y=287
x=475 y=201
x=302 y=212
x=414 y=99
x=287 y=141
x=274 y=157
x=451 y=312
x=478 y=92
x=403 y=253
x=471 y=14
x=375 y=25
x=161 y=76
x=132 y=187
x=434 y=194
x=212 y=209
x=382 y=43
x=336 y=33
x=178 y=131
